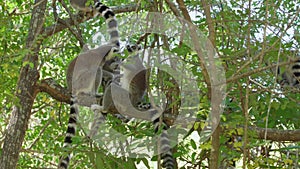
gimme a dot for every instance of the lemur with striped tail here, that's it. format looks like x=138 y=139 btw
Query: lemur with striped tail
x=85 y=72
x=291 y=76
x=98 y=63
x=131 y=91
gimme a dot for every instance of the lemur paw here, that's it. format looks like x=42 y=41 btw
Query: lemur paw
x=117 y=77
x=96 y=107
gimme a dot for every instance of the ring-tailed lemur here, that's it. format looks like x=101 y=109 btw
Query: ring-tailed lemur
x=136 y=84
x=134 y=81
x=85 y=72
x=136 y=87
x=291 y=76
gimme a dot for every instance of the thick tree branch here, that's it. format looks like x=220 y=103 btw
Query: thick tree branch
x=62 y=94
x=215 y=139
x=276 y=134
x=272 y=134
x=173 y=8
x=58 y=92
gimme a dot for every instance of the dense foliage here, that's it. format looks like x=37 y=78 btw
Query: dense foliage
x=249 y=37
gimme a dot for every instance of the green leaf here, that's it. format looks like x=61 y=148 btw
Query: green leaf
x=31 y=65
x=193 y=144
x=145 y=161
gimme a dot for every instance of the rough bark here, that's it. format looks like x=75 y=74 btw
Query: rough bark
x=56 y=91
x=25 y=93
x=275 y=134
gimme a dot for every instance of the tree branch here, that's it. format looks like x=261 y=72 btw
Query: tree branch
x=58 y=92
x=77 y=33
x=209 y=21
x=80 y=18
x=276 y=134
x=62 y=94
x=194 y=38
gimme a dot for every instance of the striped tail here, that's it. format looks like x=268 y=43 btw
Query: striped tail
x=112 y=24
x=164 y=144
x=291 y=77
x=296 y=72
x=139 y=83
x=112 y=29
x=64 y=160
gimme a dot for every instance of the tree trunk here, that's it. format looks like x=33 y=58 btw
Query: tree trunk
x=25 y=93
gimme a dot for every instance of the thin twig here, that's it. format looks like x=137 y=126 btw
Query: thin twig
x=271 y=47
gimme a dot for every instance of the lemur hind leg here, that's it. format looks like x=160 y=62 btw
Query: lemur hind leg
x=99 y=118
x=100 y=111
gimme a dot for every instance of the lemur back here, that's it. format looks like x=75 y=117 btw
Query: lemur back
x=84 y=74
x=81 y=5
